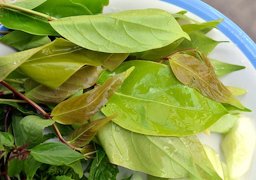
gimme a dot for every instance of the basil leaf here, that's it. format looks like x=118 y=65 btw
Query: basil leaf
x=101 y=168
x=79 y=109
x=198 y=73
x=224 y=124
x=84 y=134
x=238 y=147
x=55 y=153
x=15 y=167
x=63 y=178
x=166 y=157
x=135 y=30
x=82 y=79
x=6 y=140
x=152 y=101
x=29 y=4
x=77 y=168
x=188 y=28
x=237 y=91
x=222 y=69
x=68 y=8
x=32 y=127
x=23 y=41
x=31 y=24
x=30 y=167
x=199 y=41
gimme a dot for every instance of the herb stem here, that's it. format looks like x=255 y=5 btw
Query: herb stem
x=6 y=118
x=28 y=11
x=12 y=100
x=39 y=109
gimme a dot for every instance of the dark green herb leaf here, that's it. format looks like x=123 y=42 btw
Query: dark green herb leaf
x=188 y=28
x=68 y=8
x=63 y=178
x=101 y=168
x=78 y=168
x=30 y=167
x=79 y=109
x=84 y=134
x=222 y=69
x=32 y=127
x=6 y=140
x=82 y=79
x=19 y=136
x=23 y=41
x=198 y=73
x=55 y=153
x=15 y=166
x=167 y=157
x=135 y=30
x=152 y=101
x=31 y=24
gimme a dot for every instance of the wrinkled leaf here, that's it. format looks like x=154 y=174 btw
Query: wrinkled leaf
x=32 y=127
x=135 y=30
x=101 y=168
x=55 y=153
x=222 y=69
x=199 y=41
x=68 y=8
x=6 y=139
x=167 y=157
x=224 y=124
x=84 y=134
x=19 y=20
x=238 y=147
x=82 y=79
x=198 y=73
x=156 y=54
x=23 y=41
x=188 y=28
x=79 y=109
x=152 y=101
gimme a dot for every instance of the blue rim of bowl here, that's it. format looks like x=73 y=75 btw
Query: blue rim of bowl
x=228 y=27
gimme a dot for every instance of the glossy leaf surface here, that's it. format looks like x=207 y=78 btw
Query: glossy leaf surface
x=222 y=69
x=198 y=73
x=84 y=134
x=79 y=109
x=167 y=157
x=31 y=24
x=71 y=7
x=152 y=101
x=23 y=41
x=55 y=153
x=135 y=30
x=82 y=79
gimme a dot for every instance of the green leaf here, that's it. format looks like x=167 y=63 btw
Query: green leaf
x=198 y=73
x=199 y=41
x=29 y=4
x=156 y=54
x=63 y=178
x=53 y=63
x=68 y=8
x=238 y=147
x=237 y=91
x=18 y=133
x=15 y=167
x=222 y=69
x=23 y=41
x=18 y=20
x=82 y=79
x=55 y=153
x=6 y=140
x=78 y=168
x=166 y=157
x=188 y=28
x=152 y=101
x=101 y=168
x=135 y=30
x=30 y=167
x=224 y=124
x=79 y=109
x=32 y=127
x=84 y=134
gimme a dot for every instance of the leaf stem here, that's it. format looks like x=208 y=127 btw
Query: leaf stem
x=12 y=100
x=6 y=118
x=28 y=11
x=39 y=109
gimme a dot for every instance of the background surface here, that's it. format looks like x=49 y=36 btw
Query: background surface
x=242 y=12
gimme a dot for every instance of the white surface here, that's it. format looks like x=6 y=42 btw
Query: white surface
x=227 y=52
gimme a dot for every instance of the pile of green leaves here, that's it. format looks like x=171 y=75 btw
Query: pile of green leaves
x=87 y=92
